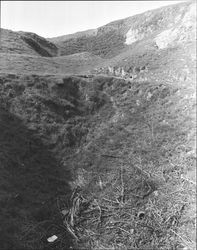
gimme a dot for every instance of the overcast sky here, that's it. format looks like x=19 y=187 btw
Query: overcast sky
x=55 y=18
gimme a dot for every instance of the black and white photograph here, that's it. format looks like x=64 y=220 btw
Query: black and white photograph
x=98 y=125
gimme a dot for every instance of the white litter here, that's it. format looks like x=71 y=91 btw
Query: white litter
x=156 y=193
x=52 y=238
x=65 y=212
x=131 y=231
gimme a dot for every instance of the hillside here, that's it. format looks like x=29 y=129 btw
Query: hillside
x=85 y=33
x=26 y=43
x=98 y=136
x=27 y=52
x=27 y=64
x=39 y=44
x=129 y=150
x=11 y=42
x=109 y=40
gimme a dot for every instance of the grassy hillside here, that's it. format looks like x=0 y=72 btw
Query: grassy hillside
x=85 y=33
x=26 y=64
x=100 y=161
x=115 y=36
x=40 y=44
x=103 y=44
x=11 y=42
x=26 y=43
x=78 y=63
x=129 y=149
x=162 y=65
x=137 y=169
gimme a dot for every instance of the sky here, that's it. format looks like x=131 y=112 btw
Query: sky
x=56 y=18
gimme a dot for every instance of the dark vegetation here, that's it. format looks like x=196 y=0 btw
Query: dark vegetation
x=86 y=33
x=26 y=43
x=31 y=181
x=11 y=42
x=41 y=46
x=34 y=174
x=109 y=40
x=102 y=162
x=126 y=148
x=104 y=44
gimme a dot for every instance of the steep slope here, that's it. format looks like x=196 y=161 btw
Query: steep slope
x=165 y=54
x=11 y=42
x=30 y=180
x=34 y=180
x=130 y=149
x=26 y=43
x=111 y=39
x=41 y=45
x=101 y=161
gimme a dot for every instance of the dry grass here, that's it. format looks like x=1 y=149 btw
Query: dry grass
x=131 y=212
x=136 y=191
x=131 y=156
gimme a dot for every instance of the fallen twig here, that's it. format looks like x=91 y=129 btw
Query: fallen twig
x=111 y=156
x=122 y=184
x=183 y=240
x=110 y=201
x=70 y=230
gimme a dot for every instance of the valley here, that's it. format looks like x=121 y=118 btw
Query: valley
x=97 y=141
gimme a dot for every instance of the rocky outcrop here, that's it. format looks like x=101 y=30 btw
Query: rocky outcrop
x=184 y=31
x=122 y=72
x=133 y=36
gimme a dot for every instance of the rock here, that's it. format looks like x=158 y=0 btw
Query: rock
x=133 y=35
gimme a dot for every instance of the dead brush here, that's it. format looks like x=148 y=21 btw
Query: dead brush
x=128 y=211
x=112 y=218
